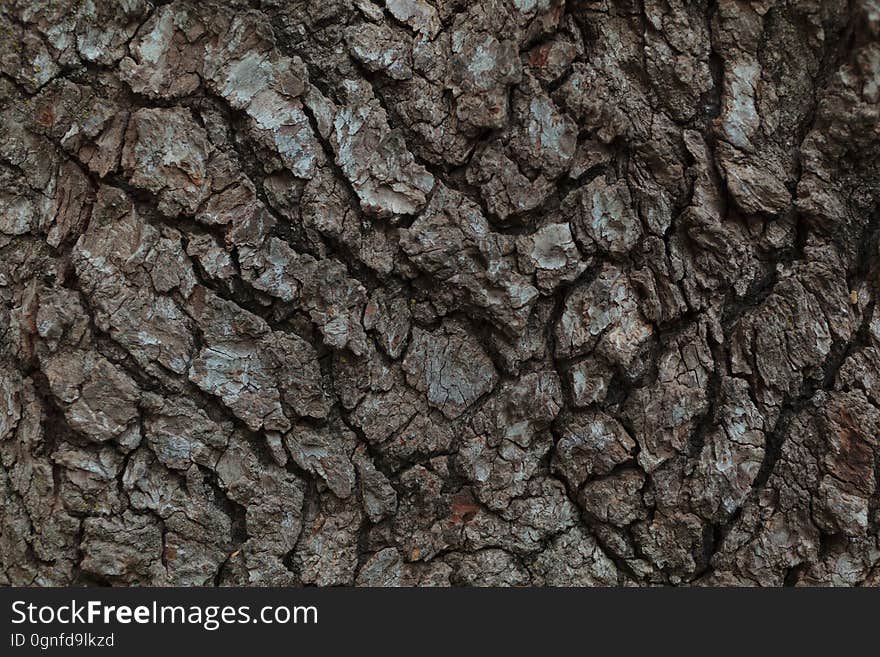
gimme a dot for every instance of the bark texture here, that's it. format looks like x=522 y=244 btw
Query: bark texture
x=432 y=292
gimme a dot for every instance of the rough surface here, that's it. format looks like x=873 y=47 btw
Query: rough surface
x=440 y=292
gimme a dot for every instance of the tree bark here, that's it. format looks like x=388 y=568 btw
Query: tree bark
x=439 y=292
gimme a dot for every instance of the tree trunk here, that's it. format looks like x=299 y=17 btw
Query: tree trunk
x=439 y=292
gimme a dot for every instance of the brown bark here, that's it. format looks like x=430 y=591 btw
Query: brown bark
x=432 y=292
